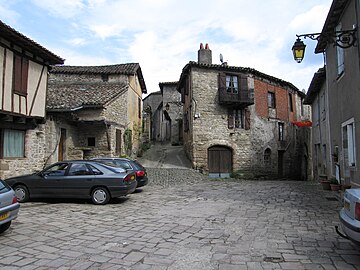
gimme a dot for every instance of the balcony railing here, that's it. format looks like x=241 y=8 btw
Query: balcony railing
x=242 y=98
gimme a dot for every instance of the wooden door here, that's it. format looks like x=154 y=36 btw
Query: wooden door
x=62 y=146
x=220 y=160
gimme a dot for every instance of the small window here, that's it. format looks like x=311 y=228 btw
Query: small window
x=267 y=156
x=139 y=107
x=105 y=77
x=91 y=141
x=236 y=119
x=232 y=84
x=13 y=143
x=271 y=100
x=291 y=107
x=281 y=132
x=340 y=54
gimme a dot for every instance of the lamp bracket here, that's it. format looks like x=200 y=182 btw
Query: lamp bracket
x=343 y=39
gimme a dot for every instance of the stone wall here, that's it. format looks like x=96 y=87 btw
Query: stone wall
x=208 y=123
x=34 y=159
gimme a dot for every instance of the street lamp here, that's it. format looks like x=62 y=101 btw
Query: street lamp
x=298 y=50
x=343 y=39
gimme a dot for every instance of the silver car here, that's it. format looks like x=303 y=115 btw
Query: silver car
x=9 y=206
x=350 y=215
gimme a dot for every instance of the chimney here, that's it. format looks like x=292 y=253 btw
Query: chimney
x=204 y=55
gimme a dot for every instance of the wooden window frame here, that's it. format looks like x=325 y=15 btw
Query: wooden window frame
x=271 y=98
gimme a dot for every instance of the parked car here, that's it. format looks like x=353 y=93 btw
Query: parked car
x=350 y=215
x=9 y=206
x=74 y=179
x=128 y=164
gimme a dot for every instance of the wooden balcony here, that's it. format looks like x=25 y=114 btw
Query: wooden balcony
x=242 y=98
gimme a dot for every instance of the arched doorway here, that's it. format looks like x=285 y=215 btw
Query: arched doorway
x=219 y=161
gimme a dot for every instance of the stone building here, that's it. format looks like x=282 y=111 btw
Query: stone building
x=172 y=112
x=164 y=111
x=94 y=111
x=23 y=87
x=153 y=116
x=240 y=120
x=334 y=95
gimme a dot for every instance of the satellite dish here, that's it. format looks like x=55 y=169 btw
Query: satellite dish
x=221 y=58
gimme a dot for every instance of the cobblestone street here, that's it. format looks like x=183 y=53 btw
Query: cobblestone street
x=193 y=224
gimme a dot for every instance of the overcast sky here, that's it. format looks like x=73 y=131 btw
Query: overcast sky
x=164 y=35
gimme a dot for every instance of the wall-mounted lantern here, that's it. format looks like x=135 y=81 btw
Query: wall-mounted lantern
x=344 y=39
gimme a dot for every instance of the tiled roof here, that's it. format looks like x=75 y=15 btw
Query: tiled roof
x=226 y=68
x=315 y=86
x=69 y=97
x=28 y=44
x=126 y=69
x=335 y=12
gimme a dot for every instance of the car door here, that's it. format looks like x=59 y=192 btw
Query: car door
x=51 y=180
x=78 y=181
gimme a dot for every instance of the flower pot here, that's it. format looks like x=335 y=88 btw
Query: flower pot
x=335 y=187
x=325 y=184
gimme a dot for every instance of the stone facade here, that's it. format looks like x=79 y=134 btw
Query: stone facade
x=254 y=145
x=24 y=66
x=153 y=111
x=172 y=111
x=103 y=116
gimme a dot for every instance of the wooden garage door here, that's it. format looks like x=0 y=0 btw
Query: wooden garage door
x=220 y=159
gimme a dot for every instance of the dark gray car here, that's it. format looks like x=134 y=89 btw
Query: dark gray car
x=75 y=179
x=128 y=164
x=9 y=207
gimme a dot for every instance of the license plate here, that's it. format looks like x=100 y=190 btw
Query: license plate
x=4 y=216
x=347 y=205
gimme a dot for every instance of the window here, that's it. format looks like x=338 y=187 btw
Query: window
x=267 y=156
x=21 y=67
x=56 y=170
x=271 y=100
x=339 y=55
x=79 y=169
x=348 y=130
x=281 y=132
x=291 y=107
x=236 y=118
x=13 y=143
x=91 y=141
x=302 y=107
x=232 y=84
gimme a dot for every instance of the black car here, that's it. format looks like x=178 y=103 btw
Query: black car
x=74 y=179
x=130 y=165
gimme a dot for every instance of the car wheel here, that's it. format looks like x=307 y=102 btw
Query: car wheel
x=100 y=195
x=4 y=227
x=22 y=193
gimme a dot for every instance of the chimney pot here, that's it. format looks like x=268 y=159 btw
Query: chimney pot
x=204 y=55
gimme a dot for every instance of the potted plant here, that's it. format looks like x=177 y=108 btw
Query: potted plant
x=325 y=183
x=334 y=184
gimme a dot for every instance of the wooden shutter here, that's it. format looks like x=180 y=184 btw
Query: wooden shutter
x=222 y=82
x=17 y=74
x=24 y=75
x=231 y=119
x=247 y=119
x=243 y=83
